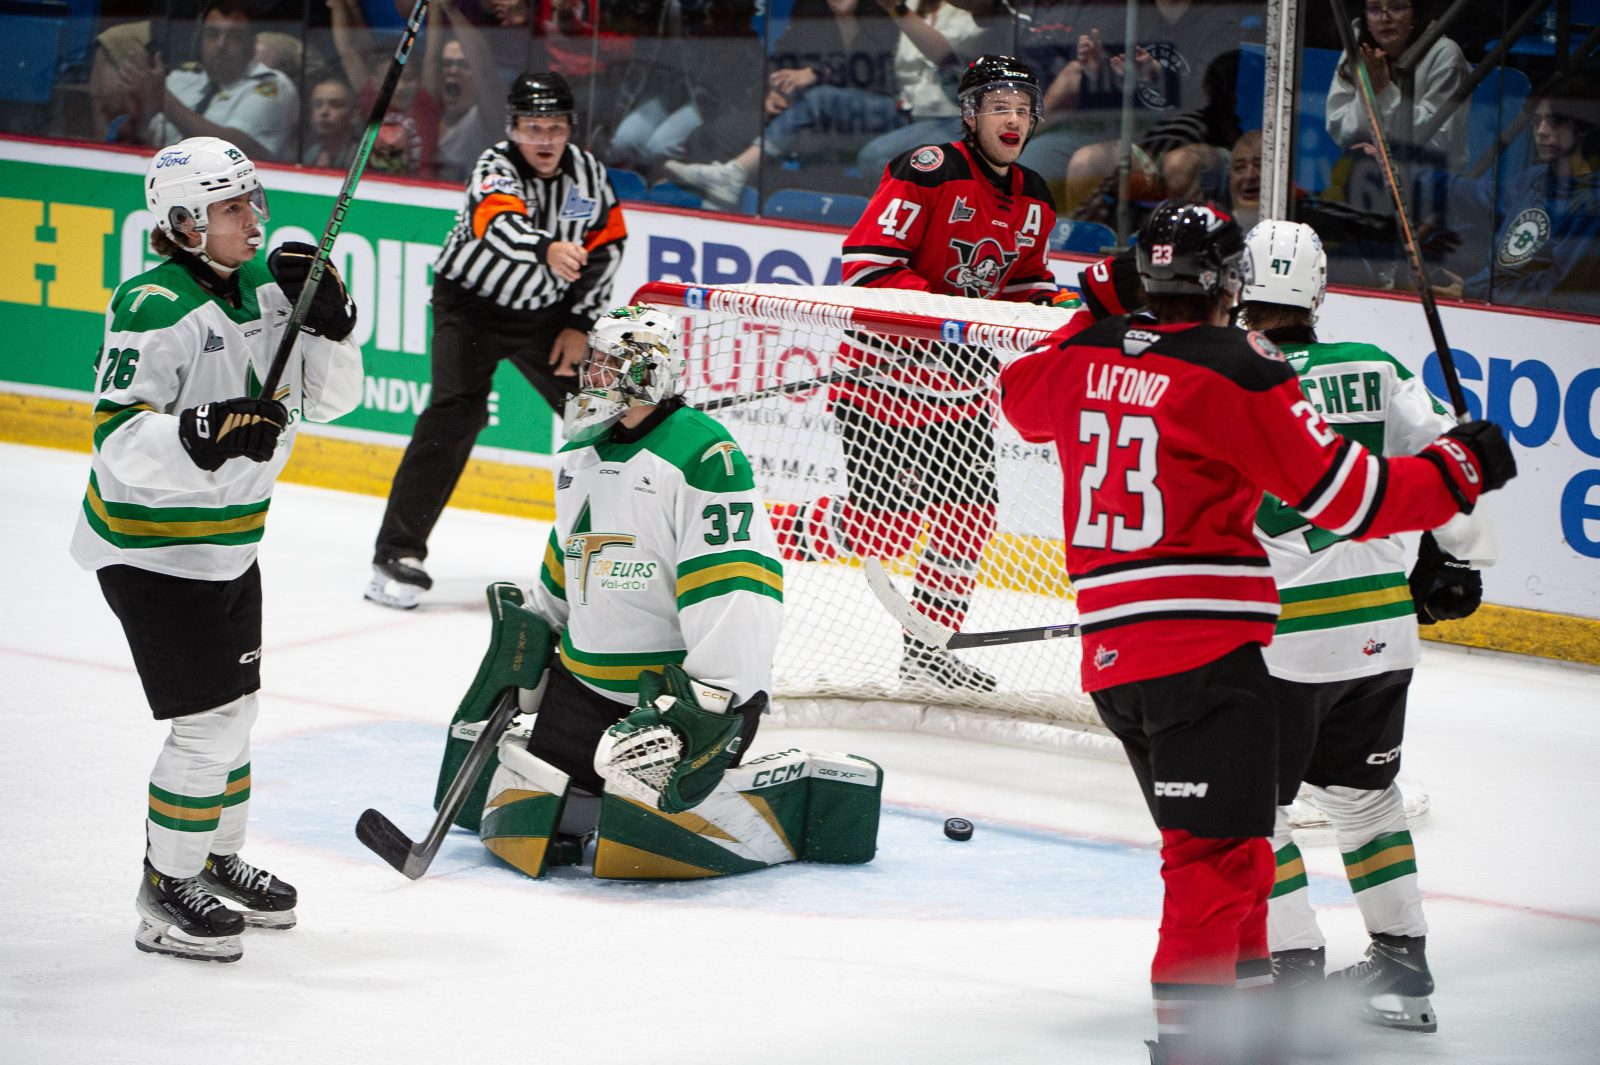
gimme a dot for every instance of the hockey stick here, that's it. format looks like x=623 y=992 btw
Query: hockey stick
x=341 y=205
x=929 y=631
x=383 y=838
x=837 y=377
x=1441 y=346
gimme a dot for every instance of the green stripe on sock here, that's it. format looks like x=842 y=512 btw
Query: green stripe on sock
x=1383 y=876
x=157 y=818
x=1382 y=843
x=189 y=802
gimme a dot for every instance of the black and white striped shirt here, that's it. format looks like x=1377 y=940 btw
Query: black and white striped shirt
x=497 y=247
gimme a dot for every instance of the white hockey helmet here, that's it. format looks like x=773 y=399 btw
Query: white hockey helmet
x=185 y=179
x=1291 y=269
x=634 y=360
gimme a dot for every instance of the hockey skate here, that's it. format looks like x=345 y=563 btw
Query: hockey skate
x=398 y=583
x=1297 y=970
x=178 y=916
x=268 y=901
x=1393 y=982
x=926 y=666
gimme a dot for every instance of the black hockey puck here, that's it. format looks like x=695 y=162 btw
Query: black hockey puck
x=958 y=828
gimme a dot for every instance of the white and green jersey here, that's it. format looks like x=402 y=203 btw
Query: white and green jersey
x=662 y=552
x=1346 y=607
x=171 y=344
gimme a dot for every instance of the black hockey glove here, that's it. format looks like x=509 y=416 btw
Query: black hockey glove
x=1443 y=587
x=333 y=312
x=1489 y=446
x=213 y=433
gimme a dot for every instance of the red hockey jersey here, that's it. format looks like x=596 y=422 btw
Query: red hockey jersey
x=1167 y=436
x=938 y=223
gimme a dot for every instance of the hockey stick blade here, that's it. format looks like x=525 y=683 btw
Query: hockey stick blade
x=380 y=835
x=924 y=628
x=383 y=838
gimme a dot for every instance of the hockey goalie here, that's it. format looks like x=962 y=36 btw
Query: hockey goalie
x=662 y=594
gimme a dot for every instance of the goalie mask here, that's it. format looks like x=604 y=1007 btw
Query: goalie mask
x=184 y=180
x=634 y=360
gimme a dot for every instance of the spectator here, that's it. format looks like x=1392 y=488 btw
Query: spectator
x=409 y=135
x=831 y=91
x=228 y=94
x=1547 y=246
x=462 y=75
x=1387 y=28
x=335 y=125
x=116 y=107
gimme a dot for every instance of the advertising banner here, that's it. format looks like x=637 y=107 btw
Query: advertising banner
x=73 y=224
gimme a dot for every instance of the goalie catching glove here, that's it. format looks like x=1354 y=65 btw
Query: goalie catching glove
x=333 y=312
x=672 y=750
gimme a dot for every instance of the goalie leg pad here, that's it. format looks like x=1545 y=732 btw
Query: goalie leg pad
x=523 y=808
x=519 y=651
x=788 y=806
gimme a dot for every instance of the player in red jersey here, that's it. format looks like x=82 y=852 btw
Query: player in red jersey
x=961 y=219
x=1169 y=426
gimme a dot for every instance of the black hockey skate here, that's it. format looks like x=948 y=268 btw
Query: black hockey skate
x=268 y=901
x=1296 y=970
x=926 y=666
x=178 y=916
x=398 y=582
x=1393 y=983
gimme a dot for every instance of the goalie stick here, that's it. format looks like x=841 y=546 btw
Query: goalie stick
x=931 y=632
x=383 y=838
x=341 y=205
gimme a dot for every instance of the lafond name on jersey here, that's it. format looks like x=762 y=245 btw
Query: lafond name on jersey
x=1126 y=384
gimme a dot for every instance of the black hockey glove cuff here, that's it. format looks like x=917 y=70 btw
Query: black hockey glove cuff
x=1489 y=446
x=213 y=433
x=1443 y=587
x=333 y=312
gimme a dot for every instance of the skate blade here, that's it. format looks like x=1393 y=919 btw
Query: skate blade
x=393 y=594
x=278 y=920
x=158 y=938
x=1406 y=1013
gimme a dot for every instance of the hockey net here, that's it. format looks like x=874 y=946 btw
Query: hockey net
x=839 y=659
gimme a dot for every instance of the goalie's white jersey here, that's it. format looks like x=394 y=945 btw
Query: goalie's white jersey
x=171 y=344
x=1346 y=607
x=662 y=552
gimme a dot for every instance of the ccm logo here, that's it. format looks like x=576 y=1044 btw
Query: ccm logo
x=1469 y=469
x=1384 y=757
x=1180 y=789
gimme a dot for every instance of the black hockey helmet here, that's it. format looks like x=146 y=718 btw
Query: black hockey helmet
x=1192 y=249
x=540 y=93
x=988 y=73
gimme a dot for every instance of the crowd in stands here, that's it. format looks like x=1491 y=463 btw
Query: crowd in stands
x=727 y=101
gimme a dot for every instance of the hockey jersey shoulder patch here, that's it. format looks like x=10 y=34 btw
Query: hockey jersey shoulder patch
x=701 y=448
x=156 y=299
x=930 y=166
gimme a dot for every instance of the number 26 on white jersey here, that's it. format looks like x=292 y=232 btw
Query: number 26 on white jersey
x=1103 y=529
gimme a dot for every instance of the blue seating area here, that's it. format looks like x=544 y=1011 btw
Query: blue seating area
x=30 y=49
x=803 y=205
x=1082 y=238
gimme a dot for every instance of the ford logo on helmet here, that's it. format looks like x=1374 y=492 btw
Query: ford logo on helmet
x=172 y=159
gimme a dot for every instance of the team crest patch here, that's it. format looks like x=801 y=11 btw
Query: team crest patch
x=961 y=212
x=1105 y=658
x=1373 y=647
x=1264 y=347
x=723 y=449
x=577 y=206
x=1528 y=232
x=268 y=89
x=501 y=183
x=929 y=158
x=982 y=266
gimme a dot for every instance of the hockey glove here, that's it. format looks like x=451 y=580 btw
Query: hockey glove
x=1443 y=587
x=672 y=750
x=333 y=312
x=1473 y=458
x=213 y=433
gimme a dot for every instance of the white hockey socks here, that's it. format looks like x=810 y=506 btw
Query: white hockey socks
x=1291 y=922
x=1380 y=860
x=200 y=787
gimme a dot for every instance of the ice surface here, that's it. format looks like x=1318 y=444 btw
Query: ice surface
x=1029 y=944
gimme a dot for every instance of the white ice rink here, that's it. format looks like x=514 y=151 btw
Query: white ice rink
x=1028 y=945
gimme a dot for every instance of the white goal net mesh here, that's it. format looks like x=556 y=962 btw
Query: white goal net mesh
x=966 y=516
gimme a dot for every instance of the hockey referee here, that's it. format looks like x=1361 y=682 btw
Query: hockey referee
x=525 y=272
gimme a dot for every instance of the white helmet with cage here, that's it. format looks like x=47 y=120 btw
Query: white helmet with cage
x=185 y=179
x=634 y=360
x=1290 y=267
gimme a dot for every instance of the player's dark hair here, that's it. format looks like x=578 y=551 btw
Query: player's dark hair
x=1173 y=308
x=247 y=8
x=1265 y=316
x=162 y=244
